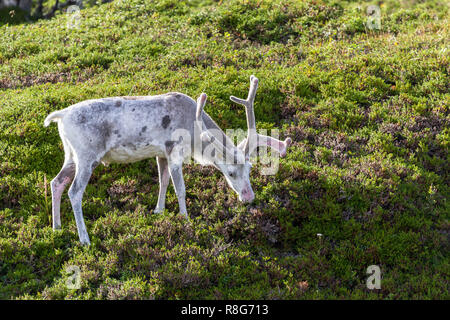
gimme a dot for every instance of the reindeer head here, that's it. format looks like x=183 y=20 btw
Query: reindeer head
x=234 y=161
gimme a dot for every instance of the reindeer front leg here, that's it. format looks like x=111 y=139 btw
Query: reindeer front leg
x=83 y=173
x=175 y=169
x=163 y=172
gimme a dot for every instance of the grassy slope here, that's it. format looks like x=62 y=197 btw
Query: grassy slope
x=368 y=111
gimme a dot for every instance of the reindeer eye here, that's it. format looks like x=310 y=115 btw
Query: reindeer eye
x=231 y=174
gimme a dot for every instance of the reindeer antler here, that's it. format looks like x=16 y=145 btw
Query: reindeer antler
x=248 y=103
x=253 y=139
x=215 y=137
x=201 y=100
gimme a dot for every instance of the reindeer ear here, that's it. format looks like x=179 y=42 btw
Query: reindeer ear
x=288 y=141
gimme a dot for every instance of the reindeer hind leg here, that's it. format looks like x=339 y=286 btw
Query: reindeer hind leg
x=58 y=185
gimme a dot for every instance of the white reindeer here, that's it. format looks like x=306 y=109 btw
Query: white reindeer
x=129 y=129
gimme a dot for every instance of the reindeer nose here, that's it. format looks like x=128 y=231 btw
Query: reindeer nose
x=248 y=195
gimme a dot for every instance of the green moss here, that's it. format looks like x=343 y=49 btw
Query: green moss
x=365 y=181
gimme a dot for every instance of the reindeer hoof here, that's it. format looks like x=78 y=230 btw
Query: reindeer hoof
x=86 y=242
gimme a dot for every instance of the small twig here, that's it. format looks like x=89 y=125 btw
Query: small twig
x=52 y=12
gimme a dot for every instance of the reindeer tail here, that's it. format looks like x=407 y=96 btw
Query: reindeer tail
x=54 y=116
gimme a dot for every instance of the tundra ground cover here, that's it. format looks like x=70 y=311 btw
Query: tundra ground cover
x=367 y=110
